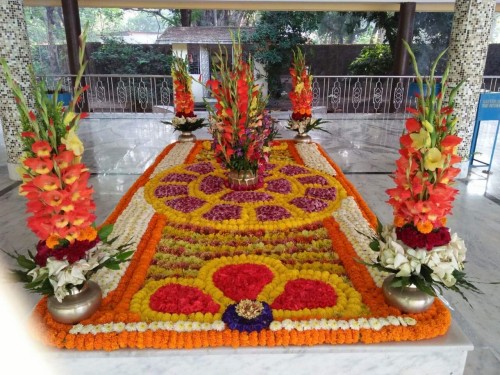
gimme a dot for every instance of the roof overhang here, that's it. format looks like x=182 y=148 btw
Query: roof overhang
x=298 y=5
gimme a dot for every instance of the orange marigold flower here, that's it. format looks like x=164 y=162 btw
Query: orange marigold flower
x=399 y=221
x=88 y=233
x=52 y=241
x=424 y=227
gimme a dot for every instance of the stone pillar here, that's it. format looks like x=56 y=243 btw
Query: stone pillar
x=204 y=67
x=470 y=34
x=14 y=47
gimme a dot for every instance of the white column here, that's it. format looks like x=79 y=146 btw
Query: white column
x=14 y=47
x=470 y=34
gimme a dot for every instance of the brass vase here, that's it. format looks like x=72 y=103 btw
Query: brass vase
x=303 y=138
x=242 y=179
x=186 y=136
x=408 y=299
x=80 y=304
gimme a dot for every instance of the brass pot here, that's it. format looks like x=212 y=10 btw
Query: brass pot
x=303 y=138
x=186 y=136
x=408 y=299
x=79 y=305
x=239 y=179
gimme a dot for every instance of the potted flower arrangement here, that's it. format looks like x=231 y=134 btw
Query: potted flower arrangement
x=239 y=124
x=301 y=97
x=418 y=250
x=184 y=119
x=55 y=183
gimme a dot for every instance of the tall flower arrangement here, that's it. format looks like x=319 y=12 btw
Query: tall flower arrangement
x=418 y=248
x=184 y=118
x=301 y=97
x=240 y=126
x=55 y=183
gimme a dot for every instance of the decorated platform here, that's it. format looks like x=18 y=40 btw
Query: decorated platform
x=294 y=246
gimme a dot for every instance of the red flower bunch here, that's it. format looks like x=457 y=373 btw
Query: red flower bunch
x=184 y=118
x=301 y=95
x=411 y=237
x=423 y=195
x=55 y=182
x=184 y=101
x=240 y=127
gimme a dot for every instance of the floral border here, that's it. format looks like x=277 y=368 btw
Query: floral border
x=127 y=331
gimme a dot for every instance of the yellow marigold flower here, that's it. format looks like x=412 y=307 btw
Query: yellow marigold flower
x=73 y=143
x=424 y=227
x=88 y=234
x=421 y=139
x=52 y=241
x=433 y=159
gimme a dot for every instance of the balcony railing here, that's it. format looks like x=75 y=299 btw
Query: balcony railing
x=117 y=93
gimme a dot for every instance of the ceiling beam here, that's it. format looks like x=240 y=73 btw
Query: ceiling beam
x=278 y=5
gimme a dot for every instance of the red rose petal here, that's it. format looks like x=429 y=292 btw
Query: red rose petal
x=242 y=281
x=305 y=294
x=181 y=299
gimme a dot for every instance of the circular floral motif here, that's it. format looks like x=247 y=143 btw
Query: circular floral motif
x=292 y=195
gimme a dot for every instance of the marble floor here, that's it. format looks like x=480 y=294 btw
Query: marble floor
x=119 y=150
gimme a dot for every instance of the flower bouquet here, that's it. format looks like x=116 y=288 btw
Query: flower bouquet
x=239 y=124
x=301 y=97
x=55 y=183
x=419 y=249
x=184 y=118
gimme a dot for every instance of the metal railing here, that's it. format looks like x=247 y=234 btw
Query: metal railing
x=372 y=94
x=115 y=93
x=120 y=93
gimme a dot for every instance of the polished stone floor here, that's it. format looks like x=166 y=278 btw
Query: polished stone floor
x=119 y=150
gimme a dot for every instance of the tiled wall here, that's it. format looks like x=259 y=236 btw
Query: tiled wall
x=467 y=57
x=14 y=47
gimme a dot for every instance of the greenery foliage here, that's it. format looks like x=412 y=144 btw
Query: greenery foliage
x=276 y=35
x=118 y=57
x=373 y=60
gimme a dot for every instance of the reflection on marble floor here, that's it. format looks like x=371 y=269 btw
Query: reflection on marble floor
x=117 y=151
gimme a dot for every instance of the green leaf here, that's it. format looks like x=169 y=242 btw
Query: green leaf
x=104 y=232
x=424 y=286
x=25 y=262
x=112 y=266
x=125 y=255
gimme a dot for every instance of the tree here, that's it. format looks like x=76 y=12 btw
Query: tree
x=342 y=27
x=276 y=35
x=430 y=37
x=372 y=60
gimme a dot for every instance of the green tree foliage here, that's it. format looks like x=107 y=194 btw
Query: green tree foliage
x=343 y=28
x=373 y=60
x=276 y=35
x=431 y=35
x=118 y=57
